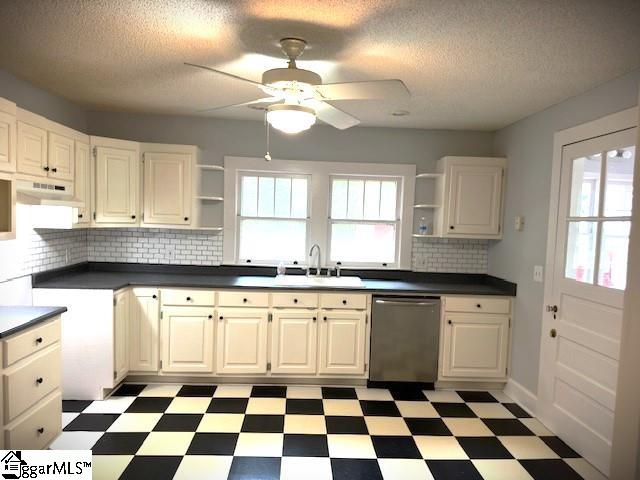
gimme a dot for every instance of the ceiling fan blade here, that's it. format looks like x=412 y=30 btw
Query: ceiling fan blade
x=266 y=101
x=230 y=75
x=332 y=115
x=375 y=89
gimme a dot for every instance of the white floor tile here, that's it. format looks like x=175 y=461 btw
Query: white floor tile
x=76 y=440
x=440 y=448
x=221 y=423
x=467 y=427
x=401 y=468
x=490 y=410
x=109 y=467
x=189 y=405
x=160 y=390
x=67 y=417
x=304 y=392
x=443 y=396
x=233 y=391
x=350 y=446
x=305 y=424
x=585 y=469
x=166 y=443
x=416 y=409
x=272 y=406
x=386 y=426
x=501 y=396
x=259 y=445
x=527 y=447
x=307 y=468
x=135 y=422
x=501 y=470
x=204 y=467
x=110 y=405
x=537 y=427
x=373 y=394
x=342 y=407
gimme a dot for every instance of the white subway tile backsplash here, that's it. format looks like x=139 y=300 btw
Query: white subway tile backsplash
x=450 y=255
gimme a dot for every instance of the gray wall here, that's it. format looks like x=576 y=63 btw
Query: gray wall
x=528 y=144
x=41 y=102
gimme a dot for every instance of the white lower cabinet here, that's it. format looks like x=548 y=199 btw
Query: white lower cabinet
x=120 y=335
x=144 y=316
x=294 y=340
x=242 y=340
x=475 y=345
x=187 y=339
x=342 y=342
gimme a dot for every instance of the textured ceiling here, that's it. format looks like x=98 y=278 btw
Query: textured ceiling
x=469 y=64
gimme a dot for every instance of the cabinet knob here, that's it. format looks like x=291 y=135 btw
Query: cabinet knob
x=210 y=316
x=449 y=322
x=221 y=317
x=39 y=340
x=478 y=305
x=41 y=430
x=314 y=319
x=451 y=227
x=186 y=219
x=46 y=169
x=244 y=300
x=80 y=215
x=39 y=380
x=133 y=217
x=295 y=300
x=54 y=170
x=324 y=318
x=188 y=299
x=154 y=296
x=344 y=302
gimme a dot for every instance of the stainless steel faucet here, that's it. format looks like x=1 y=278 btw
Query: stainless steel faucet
x=315 y=245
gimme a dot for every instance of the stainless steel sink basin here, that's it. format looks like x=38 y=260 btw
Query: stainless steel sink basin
x=317 y=281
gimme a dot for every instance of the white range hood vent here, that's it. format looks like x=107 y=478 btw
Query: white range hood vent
x=41 y=193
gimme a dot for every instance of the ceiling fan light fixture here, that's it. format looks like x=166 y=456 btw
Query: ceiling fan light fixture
x=291 y=118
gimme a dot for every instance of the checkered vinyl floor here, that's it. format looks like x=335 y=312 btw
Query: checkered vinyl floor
x=270 y=432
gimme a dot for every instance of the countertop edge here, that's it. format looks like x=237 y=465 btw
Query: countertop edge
x=54 y=312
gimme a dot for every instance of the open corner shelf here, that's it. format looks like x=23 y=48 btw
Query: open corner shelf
x=428 y=175
x=426 y=205
x=419 y=235
x=207 y=198
x=216 y=168
x=211 y=229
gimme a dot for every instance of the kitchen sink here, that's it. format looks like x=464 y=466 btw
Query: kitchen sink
x=318 y=281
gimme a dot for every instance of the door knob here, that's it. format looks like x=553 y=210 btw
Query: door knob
x=552 y=308
x=553 y=333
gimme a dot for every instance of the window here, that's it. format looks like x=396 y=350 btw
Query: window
x=364 y=220
x=272 y=220
x=600 y=218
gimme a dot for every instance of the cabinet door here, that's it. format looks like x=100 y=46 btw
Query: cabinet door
x=475 y=345
x=143 y=330
x=474 y=200
x=32 y=150
x=116 y=186
x=61 y=157
x=342 y=341
x=167 y=188
x=7 y=142
x=294 y=342
x=120 y=336
x=82 y=185
x=187 y=339
x=242 y=340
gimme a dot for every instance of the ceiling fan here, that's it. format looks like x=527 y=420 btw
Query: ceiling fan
x=296 y=97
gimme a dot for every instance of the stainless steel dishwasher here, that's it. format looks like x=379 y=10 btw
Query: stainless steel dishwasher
x=405 y=334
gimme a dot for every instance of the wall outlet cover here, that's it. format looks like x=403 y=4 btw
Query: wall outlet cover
x=538 y=273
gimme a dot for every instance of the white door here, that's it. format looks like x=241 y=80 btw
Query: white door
x=187 y=339
x=581 y=331
x=475 y=345
x=342 y=342
x=61 y=160
x=167 y=188
x=32 y=150
x=294 y=342
x=143 y=330
x=116 y=186
x=120 y=336
x=7 y=142
x=82 y=184
x=242 y=340
x=474 y=200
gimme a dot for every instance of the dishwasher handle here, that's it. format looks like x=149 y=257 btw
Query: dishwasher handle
x=409 y=303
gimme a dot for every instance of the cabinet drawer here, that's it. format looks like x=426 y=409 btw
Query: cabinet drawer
x=200 y=298
x=38 y=429
x=243 y=299
x=340 y=300
x=477 y=304
x=295 y=300
x=27 y=385
x=20 y=346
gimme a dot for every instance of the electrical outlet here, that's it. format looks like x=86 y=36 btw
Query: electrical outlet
x=170 y=252
x=538 y=275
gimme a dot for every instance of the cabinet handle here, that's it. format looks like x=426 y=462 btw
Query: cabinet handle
x=54 y=170
x=324 y=318
x=39 y=380
x=46 y=169
x=210 y=316
x=221 y=317
x=41 y=430
x=295 y=300
x=154 y=296
x=449 y=322
x=186 y=219
x=39 y=340
x=451 y=227
x=244 y=300
x=133 y=217
x=344 y=302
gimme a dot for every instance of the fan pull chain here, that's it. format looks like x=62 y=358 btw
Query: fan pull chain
x=267 y=155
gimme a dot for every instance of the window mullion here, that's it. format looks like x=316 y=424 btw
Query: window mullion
x=601 y=191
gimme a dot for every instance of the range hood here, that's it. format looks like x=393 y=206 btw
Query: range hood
x=46 y=193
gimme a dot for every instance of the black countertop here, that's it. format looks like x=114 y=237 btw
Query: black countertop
x=16 y=318
x=113 y=276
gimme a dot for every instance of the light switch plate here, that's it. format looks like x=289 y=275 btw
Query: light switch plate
x=519 y=223
x=538 y=273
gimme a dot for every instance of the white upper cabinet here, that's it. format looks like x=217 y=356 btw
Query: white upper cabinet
x=242 y=340
x=61 y=159
x=7 y=136
x=294 y=338
x=32 y=150
x=117 y=186
x=167 y=188
x=83 y=181
x=471 y=191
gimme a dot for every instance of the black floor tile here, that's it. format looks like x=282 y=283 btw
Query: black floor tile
x=506 y=426
x=562 y=449
x=454 y=470
x=517 y=410
x=355 y=469
x=178 y=422
x=339 y=393
x=411 y=394
x=550 y=468
x=263 y=423
x=197 y=391
x=379 y=408
x=269 y=391
x=149 y=405
x=128 y=390
x=427 y=426
x=228 y=405
x=389 y=446
x=213 y=444
x=75 y=405
x=460 y=410
x=483 y=448
x=477 y=397
x=303 y=406
x=305 y=446
x=91 y=422
x=119 y=443
x=156 y=467
x=346 y=425
x=254 y=468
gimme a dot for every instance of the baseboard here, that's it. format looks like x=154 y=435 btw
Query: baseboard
x=527 y=399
